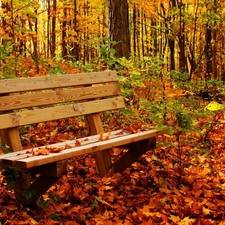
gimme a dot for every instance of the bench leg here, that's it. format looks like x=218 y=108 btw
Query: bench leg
x=50 y=175
x=135 y=151
x=103 y=158
x=103 y=162
x=36 y=189
x=22 y=183
x=40 y=186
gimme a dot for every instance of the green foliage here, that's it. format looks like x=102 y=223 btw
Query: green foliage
x=55 y=199
x=5 y=51
x=158 y=163
x=29 y=193
x=178 y=77
x=55 y=217
x=5 y=148
x=55 y=69
x=184 y=121
x=95 y=204
x=7 y=61
x=10 y=174
x=43 y=204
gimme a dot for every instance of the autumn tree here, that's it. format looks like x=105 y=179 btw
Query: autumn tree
x=119 y=27
x=53 y=33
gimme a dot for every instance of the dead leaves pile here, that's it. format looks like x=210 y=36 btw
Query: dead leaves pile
x=151 y=191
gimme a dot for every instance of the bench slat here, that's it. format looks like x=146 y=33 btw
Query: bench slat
x=47 y=82
x=83 y=141
x=57 y=96
x=34 y=161
x=59 y=112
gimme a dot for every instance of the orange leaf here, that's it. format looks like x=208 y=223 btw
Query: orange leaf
x=101 y=136
x=41 y=151
x=77 y=143
x=67 y=146
x=55 y=150
x=120 y=132
x=107 y=136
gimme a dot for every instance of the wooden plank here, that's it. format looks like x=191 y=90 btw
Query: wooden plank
x=90 y=148
x=19 y=101
x=58 y=112
x=39 y=187
x=56 y=169
x=22 y=182
x=83 y=141
x=48 y=82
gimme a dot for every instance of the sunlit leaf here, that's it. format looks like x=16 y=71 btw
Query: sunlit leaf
x=214 y=106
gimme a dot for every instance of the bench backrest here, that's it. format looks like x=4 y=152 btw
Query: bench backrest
x=32 y=100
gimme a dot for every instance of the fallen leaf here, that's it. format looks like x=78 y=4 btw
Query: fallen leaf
x=175 y=219
x=106 y=137
x=100 y=136
x=77 y=143
x=55 y=150
x=187 y=221
x=41 y=151
x=206 y=211
x=12 y=207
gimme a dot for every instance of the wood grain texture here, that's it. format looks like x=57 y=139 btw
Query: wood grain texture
x=84 y=141
x=58 y=112
x=48 y=82
x=102 y=158
x=27 y=100
x=34 y=161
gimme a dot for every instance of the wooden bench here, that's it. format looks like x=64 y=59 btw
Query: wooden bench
x=35 y=100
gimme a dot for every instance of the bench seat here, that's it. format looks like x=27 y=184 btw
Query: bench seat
x=27 y=159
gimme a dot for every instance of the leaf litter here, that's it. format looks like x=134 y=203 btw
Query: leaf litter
x=151 y=191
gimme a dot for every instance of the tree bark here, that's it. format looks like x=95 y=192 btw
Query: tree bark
x=208 y=52
x=53 y=36
x=181 y=40
x=64 y=26
x=119 y=27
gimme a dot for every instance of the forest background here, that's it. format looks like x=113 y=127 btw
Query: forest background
x=169 y=55
x=187 y=36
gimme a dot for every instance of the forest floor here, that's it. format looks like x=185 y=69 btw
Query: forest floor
x=176 y=184
x=151 y=191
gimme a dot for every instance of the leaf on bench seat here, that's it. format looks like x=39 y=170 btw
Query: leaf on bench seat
x=120 y=132
x=102 y=138
x=55 y=150
x=67 y=146
x=41 y=151
x=47 y=151
x=77 y=143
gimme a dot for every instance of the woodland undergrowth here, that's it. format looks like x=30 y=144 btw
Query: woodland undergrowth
x=181 y=182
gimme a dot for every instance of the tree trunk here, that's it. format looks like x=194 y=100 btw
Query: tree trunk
x=134 y=30
x=75 y=45
x=64 y=24
x=53 y=36
x=119 y=27
x=181 y=40
x=49 y=29
x=35 y=44
x=214 y=47
x=208 y=52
